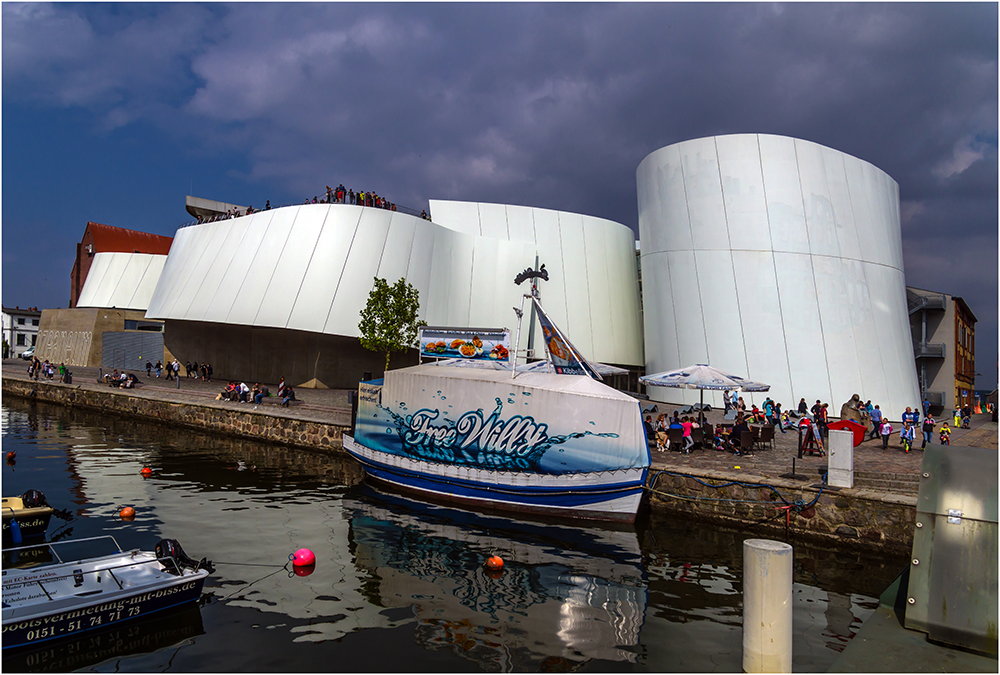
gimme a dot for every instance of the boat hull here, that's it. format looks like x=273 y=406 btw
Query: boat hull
x=70 y=616
x=600 y=495
x=33 y=522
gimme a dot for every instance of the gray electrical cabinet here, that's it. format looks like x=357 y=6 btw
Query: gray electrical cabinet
x=952 y=594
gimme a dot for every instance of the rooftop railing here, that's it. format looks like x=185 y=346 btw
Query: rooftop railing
x=400 y=209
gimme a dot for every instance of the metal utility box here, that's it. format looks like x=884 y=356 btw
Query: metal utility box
x=953 y=571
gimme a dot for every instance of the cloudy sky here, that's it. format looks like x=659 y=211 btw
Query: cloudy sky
x=114 y=112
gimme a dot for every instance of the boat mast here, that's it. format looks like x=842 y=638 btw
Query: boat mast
x=534 y=296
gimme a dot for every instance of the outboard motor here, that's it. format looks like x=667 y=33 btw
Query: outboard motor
x=175 y=560
x=33 y=499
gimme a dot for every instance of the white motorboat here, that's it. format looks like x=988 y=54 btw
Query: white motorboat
x=65 y=599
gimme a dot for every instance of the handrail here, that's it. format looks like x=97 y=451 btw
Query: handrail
x=52 y=544
x=400 y=209
x=109 y=570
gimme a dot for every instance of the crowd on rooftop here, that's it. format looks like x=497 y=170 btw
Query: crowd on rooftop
x=337 y=195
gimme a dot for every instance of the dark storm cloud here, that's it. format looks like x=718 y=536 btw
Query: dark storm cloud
x=550 y=105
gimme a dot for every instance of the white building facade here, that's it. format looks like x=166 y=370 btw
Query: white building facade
x=779 y=260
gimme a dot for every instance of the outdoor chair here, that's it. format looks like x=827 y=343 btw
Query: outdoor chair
x=708 y=432
x=766 y=436
x=676 y=438
x=697 y=435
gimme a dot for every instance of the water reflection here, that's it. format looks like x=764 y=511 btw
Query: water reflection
x=581 y=598
x=399 y=585
x=159 y=631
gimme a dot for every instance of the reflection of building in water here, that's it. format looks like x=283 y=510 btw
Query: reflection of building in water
x=550 y=605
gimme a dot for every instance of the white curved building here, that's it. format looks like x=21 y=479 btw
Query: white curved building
x=121 y=280
x=279 y=293
x=779 y=260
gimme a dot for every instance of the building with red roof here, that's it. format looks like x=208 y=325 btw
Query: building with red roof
x=99 y=238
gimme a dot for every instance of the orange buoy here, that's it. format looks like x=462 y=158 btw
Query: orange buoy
x=146 y=471
x=128 y=513
x=494 y=562
x=12 y=454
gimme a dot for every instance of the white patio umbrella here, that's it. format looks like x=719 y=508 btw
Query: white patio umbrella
x=702 y=377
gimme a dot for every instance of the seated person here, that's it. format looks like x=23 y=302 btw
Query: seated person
x=736 y=435
x=289 y=396
x=112 y=379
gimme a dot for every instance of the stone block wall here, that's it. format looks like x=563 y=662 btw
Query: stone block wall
x=240 y=423
x=848 y=516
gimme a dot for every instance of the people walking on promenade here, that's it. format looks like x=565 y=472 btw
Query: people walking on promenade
x=886 y=431
x=928 y=428
x=876 y=416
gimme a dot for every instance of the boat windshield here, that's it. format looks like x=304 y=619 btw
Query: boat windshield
x=74 y=549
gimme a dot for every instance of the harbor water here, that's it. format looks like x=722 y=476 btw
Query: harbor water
x=399 y=584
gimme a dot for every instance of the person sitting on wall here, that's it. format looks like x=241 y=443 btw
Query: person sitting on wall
x=288 y=397
x=112 y=379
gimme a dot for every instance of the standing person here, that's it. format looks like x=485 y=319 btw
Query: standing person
x=687 y=424
x=927 y=408
x=779 y=417
x=803 y=407
x=149 y=369
x=910 y=417
x=204 y=371
x=945 y=434
x=876 y=422
x=823 y=420
x=725 y=401
x=815 y=410
x=159 y=368
x=885 y=429
x=177 y=369
x=170 y=370
x=62 y=372
x=208 y=371
x=928 y=428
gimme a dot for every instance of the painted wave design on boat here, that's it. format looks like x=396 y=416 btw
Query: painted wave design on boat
x=518 y=443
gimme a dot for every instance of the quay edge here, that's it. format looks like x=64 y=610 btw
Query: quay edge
x=843 y=518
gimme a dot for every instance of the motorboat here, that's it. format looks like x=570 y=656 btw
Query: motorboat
x=25 y=517
x=558 y=443
x=67 y=598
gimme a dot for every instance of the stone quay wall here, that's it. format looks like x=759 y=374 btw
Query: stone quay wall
x=243 y=423
x=853 y=517
x=867 y=518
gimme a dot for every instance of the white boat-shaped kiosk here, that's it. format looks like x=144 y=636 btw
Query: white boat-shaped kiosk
x=545 y=443
x=63 y=600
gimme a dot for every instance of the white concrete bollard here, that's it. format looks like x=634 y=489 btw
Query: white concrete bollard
x=840 y=460
x=767 y=606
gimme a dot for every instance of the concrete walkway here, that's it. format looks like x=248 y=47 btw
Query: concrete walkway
x=891 y=470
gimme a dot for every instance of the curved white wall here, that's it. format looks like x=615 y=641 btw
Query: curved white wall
x=122 y=280
x=779 y=260
x=593 y=287
x=311 y=267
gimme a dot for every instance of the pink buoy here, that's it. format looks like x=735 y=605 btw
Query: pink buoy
x=303 y=558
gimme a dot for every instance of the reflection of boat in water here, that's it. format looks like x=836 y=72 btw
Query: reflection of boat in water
x=567 y=594
x=158 y=631
x=25 y=517
x=63 y=600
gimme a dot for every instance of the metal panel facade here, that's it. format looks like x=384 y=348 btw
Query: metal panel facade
x=820 y=311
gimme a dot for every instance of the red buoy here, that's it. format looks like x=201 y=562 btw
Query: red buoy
x=128 y=513
x=146 y=471
x=303 y=558
x=494 y=562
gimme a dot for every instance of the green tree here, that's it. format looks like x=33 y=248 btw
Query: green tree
x=389 y=321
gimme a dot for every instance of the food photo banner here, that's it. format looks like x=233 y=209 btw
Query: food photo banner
x=488 y=344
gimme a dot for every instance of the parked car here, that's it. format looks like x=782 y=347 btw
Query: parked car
x=28 y=353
